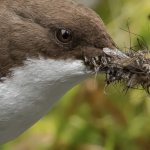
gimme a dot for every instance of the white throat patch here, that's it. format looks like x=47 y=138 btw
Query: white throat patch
x=32 y=90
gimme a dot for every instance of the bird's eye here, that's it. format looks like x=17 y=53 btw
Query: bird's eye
x=64 y=36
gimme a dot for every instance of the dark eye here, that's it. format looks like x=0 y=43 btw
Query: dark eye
x=64 y=36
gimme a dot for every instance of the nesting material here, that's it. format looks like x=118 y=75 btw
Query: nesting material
x=131 y=68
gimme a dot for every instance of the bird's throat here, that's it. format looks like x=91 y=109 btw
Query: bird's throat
x=32 y=89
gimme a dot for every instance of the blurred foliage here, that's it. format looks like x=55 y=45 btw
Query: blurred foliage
x=90 y=116
x=122 y=16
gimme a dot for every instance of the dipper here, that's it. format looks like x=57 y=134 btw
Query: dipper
x=44 y=47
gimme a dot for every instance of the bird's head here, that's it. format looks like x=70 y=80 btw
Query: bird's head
x=57 y=30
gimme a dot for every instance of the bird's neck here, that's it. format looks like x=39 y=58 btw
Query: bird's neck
x=32 y=90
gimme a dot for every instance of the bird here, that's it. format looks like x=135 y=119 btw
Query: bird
x=44 y=45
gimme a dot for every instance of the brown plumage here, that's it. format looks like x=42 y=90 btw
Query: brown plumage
x=27 y=29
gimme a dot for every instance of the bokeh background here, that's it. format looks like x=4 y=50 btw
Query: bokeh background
x=90 y=117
